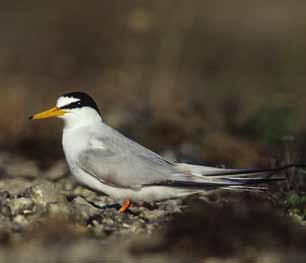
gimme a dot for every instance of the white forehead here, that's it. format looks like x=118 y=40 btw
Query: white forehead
x=63 y=101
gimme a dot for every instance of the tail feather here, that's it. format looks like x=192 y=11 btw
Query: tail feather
x=209 y=178
x=246 y=188
x=208 y=183
x=254 y=181
x=233 y=179
x=222 y=173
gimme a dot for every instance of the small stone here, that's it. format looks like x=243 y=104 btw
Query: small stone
x=19 y=167
x=57 y=210
x=21 y=220
x=4 y=197
x=154 y=214
x=18 y=205
x=14 y=185
x=108 y=221
x=88 y=194
x=82 y=210
x=5 y=210
x=16 y=166
x=45 y=193
x=171 y=206
x=98 y=230
x=68 y=183
x=57 y=171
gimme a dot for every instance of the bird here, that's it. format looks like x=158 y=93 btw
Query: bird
x=105 y=161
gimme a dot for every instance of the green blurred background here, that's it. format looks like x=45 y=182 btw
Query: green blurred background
x=216 y=82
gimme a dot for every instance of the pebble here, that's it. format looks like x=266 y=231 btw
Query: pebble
x=57 y=171
x=45 y=192
x=20 y=205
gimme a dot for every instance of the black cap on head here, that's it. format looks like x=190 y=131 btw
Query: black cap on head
x=84 y=101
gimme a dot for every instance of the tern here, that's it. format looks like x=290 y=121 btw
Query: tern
x=105 y=161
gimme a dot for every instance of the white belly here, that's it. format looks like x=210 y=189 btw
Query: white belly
x=145 y=194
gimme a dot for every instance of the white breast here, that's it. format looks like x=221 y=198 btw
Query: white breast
x=74 y=142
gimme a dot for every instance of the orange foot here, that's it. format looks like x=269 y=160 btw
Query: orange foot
x=125 y=205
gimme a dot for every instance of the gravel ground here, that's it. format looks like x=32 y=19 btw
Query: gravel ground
x=46 y=216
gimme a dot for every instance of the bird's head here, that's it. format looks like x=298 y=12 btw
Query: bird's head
x=76 y=108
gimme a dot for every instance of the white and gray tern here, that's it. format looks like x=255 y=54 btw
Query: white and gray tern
x=104 y=160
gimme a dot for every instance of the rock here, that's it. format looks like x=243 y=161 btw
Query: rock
x=152 y=215
x=45 y=192
x=24 y=169
x=86 y=193
x=82 y=210
x=14 y=166
x=21 y=220
x=15 y=185
x=68 y=183
x=4 y=197
x=20 y=205
x=57 y=171
x=5 y=210
x=59 y=210
x=171 y=206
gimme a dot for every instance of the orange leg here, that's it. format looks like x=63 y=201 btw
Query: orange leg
x=125 y=205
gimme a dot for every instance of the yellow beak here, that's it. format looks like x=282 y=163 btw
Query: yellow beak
x=53 y=112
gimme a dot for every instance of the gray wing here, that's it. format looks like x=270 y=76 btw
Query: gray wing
x=118 y=161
